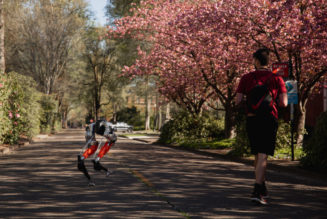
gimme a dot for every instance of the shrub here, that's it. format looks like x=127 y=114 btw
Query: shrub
x=131 y=116
x=185 y=127
x=316 y=147
x=19 y=108
x=49 y=116
x=241 y=147
x=283 y=139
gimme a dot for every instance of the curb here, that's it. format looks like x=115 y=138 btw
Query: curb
x=135 y=139
x=141 y=140
x=294 y=169
x=12 y=148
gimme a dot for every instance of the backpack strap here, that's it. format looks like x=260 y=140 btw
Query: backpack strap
x=266 y=82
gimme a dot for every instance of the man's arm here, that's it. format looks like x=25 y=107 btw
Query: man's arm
x=283 y=100
x=239 y=98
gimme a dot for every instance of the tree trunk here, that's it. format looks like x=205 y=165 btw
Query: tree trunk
x=64 y=120
x=95 y=111
x=96 y=104
x=114 y=116
x=168 y=117
x=158 y=114
x=147 y=112
x=300 y=123
x=159 y=124
x=53 y=123
x=147 y=105
x=2 y=39
x=229 y=123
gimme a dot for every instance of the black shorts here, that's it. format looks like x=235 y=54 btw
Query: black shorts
x=262 y=134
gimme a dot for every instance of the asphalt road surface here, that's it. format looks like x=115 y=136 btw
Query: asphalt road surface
x=41 y=180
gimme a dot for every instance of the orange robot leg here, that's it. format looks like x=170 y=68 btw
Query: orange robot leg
x=91 y=150
x=104 y=149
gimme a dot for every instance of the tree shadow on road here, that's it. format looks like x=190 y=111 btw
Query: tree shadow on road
x=206 y=187
x=42 y=181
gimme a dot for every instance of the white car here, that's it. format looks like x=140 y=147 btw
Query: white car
x=122 y=127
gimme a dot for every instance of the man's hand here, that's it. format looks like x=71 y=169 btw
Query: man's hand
x=282 y=100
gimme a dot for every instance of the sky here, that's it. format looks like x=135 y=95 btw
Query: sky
x=98 y=7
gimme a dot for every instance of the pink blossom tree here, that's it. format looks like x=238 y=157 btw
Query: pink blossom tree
x=197 y=48
x=194 y=52
x=218 y=44
x=174 y=70
x=296 y=31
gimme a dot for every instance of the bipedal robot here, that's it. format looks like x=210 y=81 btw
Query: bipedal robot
x=104 y=129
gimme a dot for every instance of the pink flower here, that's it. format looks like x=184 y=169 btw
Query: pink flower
x=10 y=115
x=17 y=115
x=15 y=123
x=1 y=85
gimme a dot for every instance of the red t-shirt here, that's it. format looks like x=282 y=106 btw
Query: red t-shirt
x=276 y=85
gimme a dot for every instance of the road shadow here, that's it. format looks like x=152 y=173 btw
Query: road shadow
x=207 y=187
x=42 y=181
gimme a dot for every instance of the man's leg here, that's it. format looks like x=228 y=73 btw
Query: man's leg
x=264 y=188
x=260 y=167
x=255 y=162
x=259 y=186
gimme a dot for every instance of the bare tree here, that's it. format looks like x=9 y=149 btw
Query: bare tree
x=100 y=59
x=47 y=30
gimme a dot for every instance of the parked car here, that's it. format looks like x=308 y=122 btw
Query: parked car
x=122 y=127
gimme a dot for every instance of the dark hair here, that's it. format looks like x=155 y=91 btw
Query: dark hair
x=262 y=55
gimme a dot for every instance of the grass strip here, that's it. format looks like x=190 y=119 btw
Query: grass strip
x=217 y=144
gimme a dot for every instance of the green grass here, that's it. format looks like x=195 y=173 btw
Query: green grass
x=285 y=153
x=216 y=144
x=132 y=135
x=137 y=134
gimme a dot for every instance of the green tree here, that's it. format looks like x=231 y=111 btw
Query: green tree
x=119 y=8
x=47 y=31
x=101 y=85
x=43 y=40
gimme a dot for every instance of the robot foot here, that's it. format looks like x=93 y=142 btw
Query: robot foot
x=91 y=183
x=98 y=167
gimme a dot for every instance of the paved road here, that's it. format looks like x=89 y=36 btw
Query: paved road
x=41 y=181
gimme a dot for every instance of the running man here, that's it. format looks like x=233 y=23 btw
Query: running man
x=262 y=127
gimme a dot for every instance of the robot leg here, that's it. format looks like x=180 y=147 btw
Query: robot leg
x=103 y=151
x=98 y=166
x=90 y=150
x=81 y=167
x=80 y=159
x=106 y=147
